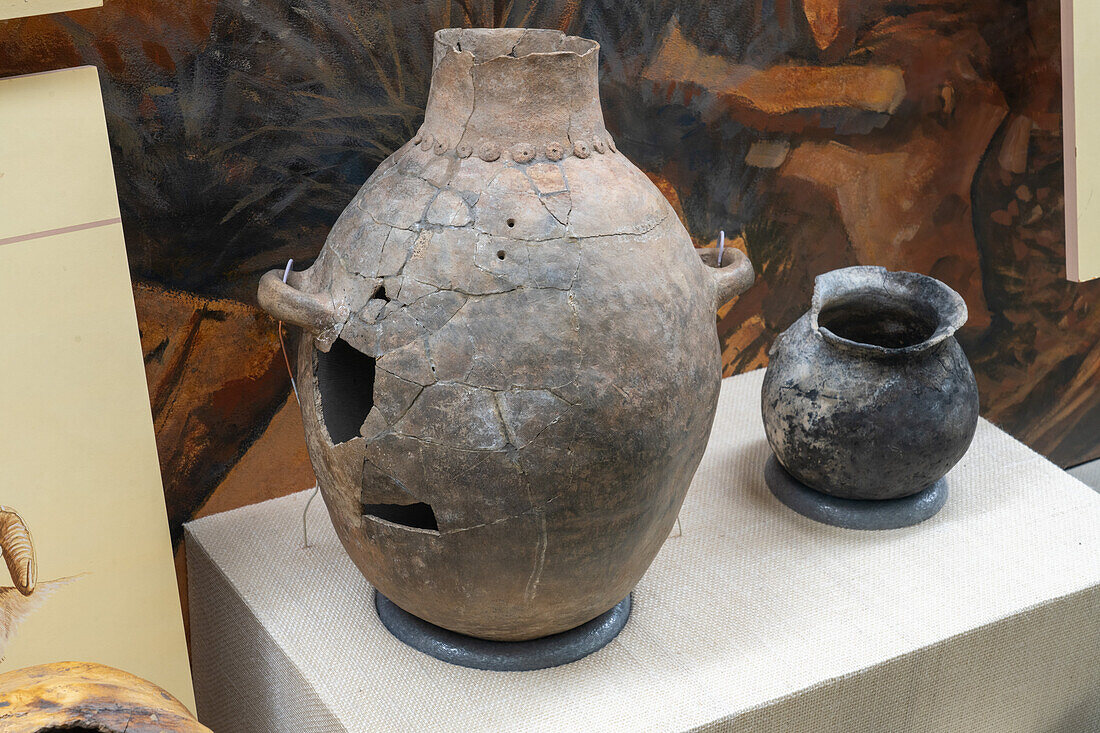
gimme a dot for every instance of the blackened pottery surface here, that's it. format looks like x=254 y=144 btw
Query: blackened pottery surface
x=868 y=395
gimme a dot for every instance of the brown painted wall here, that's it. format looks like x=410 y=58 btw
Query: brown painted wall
x=922 y=135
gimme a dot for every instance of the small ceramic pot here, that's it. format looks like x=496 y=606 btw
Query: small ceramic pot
x=868 y=395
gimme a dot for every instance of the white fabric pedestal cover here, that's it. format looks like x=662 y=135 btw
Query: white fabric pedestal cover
x=984 y=618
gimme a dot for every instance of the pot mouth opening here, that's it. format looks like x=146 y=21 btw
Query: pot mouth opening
x=877 y=312
x=487 y=44
x=877 y=320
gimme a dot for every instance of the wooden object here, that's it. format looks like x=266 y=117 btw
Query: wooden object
x=85 y=696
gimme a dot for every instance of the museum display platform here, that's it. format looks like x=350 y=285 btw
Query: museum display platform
x=986 y=617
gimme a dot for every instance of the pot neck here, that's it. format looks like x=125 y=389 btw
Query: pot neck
x=875 y=313
x=496 y=90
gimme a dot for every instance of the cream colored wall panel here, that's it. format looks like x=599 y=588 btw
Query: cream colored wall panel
x=23 y=8
x=55 y=161
x=78 y=456
x=1081 y=122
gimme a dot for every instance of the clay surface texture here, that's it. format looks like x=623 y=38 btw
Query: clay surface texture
x=868 y=395
x=509 y=366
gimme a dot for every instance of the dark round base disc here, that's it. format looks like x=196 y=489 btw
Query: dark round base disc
x=502 y=656
x=853 y=513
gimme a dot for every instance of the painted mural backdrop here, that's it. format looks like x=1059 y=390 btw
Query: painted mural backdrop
x=921 y=135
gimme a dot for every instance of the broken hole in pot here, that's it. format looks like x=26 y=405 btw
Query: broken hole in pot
x=380 y=294
x=416 y=516
x=878 y=321
x=345 y=382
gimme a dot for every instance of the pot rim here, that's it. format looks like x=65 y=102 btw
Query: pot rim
x=904 y=287
x=450 y=40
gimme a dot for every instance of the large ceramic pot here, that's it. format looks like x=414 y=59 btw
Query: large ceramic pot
x=509 y=368
x=868 y=395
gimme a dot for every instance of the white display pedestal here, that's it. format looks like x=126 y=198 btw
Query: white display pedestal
x=984 y=618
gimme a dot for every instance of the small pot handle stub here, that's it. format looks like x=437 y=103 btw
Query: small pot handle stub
x=314 y=313
x=734 y=277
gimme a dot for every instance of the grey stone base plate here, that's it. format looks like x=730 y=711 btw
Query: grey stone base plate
x=502 y=656
x=853 y=513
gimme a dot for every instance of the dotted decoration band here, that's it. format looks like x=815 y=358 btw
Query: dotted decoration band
x=489 y=151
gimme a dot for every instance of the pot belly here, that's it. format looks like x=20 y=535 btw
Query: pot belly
x=867 y=429
x=528 y=456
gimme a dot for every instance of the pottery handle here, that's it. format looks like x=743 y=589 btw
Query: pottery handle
x=734 y=277
x=314 y=313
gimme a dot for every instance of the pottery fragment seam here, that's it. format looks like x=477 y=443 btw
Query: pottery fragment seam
x=509 y=518
x=540 y=559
